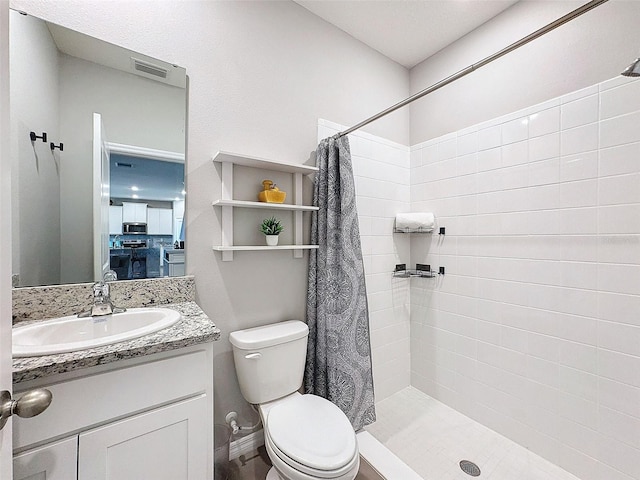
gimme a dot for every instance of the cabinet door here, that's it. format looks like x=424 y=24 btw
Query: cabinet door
x=159 y=221
x=134 y=212
x=168 y=443
x=128 y=212
x=55 y=461
x=115 y=220
x=153 y=221
x=141 y=212
x=165 y=219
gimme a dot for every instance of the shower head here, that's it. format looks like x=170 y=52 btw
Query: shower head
x=632 y=70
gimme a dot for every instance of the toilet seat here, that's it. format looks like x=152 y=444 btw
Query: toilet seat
x=312 y=436
x=292 y=470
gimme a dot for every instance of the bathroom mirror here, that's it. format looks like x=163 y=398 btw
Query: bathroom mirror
x=73 y=194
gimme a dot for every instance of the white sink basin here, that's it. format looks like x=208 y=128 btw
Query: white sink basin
x=68 y=334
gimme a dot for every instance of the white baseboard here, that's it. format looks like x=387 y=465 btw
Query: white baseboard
x=246 y=445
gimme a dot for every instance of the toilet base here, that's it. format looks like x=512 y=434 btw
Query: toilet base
x=273 y=474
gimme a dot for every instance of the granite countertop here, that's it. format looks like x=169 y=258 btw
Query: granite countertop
x=194 y=328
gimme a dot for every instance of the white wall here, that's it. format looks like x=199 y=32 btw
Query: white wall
x=534 y=329
x=135 y=111
x=36 y=170
x=5 y=226
x=381 y=171
x=588 y=50
x=261 y=74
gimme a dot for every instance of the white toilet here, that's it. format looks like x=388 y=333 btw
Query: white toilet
x=306 y=436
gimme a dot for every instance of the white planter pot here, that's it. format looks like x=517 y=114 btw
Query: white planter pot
x=272 y=240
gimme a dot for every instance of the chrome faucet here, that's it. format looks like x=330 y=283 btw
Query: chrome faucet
x=102 y=304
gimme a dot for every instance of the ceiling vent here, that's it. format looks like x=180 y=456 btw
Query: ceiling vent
x=149 y=68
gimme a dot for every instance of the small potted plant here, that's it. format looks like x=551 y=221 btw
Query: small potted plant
x=271 y=227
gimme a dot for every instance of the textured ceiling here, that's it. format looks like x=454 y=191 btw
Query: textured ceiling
x=406 y=31
x=154 y=179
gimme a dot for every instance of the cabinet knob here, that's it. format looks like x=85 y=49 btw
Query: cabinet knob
x=29 y=405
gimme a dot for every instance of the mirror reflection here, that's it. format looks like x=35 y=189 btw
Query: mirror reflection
x=113 y=196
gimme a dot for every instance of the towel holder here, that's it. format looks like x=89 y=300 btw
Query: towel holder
x=412 y=230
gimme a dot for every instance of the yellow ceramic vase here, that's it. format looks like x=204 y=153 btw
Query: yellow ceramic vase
x=271 y=193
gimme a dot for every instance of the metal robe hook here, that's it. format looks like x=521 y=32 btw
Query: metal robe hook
x=34 y=137
x=54 y=146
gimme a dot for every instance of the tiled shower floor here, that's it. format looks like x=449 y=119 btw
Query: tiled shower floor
x=432 y=438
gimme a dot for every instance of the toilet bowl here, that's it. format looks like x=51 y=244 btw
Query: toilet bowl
x=307 y=437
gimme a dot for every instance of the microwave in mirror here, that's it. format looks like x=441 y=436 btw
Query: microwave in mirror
x=134 y=228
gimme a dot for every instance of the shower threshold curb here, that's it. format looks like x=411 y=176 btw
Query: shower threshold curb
x=382 y=459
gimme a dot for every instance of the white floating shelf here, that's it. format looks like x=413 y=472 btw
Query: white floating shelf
x=227 y=202
x=273 y=206
x=248 y=248
x=256 y=162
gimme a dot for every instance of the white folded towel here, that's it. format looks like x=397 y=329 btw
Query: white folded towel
x=415 y=222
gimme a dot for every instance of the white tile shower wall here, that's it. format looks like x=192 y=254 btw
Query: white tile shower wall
x=535 y=328
x=381 y=171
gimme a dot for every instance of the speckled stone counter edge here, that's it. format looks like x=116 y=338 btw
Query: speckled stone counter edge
x=176 y=292
x=194 y=328
x=39 y=303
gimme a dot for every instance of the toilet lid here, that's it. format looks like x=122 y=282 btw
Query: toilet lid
x=313 y=432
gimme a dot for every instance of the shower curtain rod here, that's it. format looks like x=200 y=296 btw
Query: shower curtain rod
x=465 y=71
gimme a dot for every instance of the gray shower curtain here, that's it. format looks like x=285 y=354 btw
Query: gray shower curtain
x=339 y=350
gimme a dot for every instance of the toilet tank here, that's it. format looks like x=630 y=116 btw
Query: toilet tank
x=270 y=359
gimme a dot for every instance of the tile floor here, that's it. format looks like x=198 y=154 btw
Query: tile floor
x=435 y=440
x=250 y=467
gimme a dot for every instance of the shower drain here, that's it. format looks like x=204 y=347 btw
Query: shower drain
x=470 y=468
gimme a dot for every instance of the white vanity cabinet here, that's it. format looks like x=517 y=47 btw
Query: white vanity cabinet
x=151 y=417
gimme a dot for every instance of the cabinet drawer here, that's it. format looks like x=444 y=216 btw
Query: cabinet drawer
x=93 y=400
